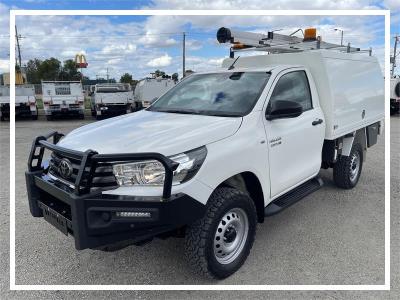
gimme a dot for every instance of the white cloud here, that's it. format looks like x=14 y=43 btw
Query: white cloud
x=262 y=4
x=140 y=47
x=162 y=61
x=119 y=49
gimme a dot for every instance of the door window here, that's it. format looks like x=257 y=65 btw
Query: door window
x=294 y=87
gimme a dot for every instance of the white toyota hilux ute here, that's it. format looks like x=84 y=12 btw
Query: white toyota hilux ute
x=213 y=156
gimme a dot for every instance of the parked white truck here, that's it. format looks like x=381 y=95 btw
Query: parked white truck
x=148 y=90
x=63 y=98
x=394 y=95
x=4 y=102
x=111 y=99
x=213 y=156
x=25 y=102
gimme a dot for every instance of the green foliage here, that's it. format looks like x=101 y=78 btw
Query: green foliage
x=159 y=73
x=126 y=78
x=51 y=69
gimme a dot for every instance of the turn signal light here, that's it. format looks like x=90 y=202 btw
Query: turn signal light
x=240 y=46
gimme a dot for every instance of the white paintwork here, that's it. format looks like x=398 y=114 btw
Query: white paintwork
x=298 y=156
x=49 y=95
x=149 y=89
x=147 y=131
x=4 y=94
x=237 y=145
x=347 y=84
x=122 y=95
x=24 y=94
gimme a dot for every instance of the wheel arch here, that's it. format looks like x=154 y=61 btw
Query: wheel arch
x=248 y=183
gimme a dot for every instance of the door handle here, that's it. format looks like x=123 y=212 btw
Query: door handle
x=317 y=121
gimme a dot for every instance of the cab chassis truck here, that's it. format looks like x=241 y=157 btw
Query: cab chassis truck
x=217 y=153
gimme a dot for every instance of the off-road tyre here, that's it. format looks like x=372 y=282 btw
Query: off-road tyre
x=342 y=170
x=199 y=238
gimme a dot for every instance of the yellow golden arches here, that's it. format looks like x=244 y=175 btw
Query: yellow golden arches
x=80 y=60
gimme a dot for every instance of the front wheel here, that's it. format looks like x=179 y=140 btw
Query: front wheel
x=347 y=169
x=218 y=244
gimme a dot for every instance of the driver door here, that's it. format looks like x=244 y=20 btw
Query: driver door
x=294 y=144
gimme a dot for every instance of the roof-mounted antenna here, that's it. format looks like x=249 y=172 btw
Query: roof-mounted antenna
x=293 y=33
x=232 y=66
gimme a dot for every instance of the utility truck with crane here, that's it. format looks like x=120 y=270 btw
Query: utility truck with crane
x=217 y=153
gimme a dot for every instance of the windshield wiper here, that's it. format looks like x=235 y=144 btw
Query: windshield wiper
x=178 y=111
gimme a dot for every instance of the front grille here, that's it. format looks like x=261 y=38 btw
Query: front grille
x=103 y=177
x=74 y=106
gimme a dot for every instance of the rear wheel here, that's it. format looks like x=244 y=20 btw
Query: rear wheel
x=49 y=118
x=347 y=169
x=218 y=244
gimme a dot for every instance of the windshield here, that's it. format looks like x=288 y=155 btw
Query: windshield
x=221 y=94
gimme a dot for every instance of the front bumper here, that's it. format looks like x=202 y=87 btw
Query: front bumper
x=57 y=109
x=94 y=219
x=112 y=109
x=24 y=110
x=5 y=110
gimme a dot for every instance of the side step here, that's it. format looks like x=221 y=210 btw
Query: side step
x=293 y=196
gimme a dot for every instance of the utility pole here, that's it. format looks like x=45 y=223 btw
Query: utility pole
x=183 y=54
x=107 y=76
x=396 y=38
x=18 y=47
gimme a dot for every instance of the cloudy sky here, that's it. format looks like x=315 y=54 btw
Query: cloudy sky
x=141 y=44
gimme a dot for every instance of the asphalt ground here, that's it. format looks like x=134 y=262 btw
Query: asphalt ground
x=333 y=236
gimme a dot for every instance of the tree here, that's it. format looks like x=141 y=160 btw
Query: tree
x=175 y=77
x=159 y=73
x=32 y=70
x=50 y=69
x=126 y=78
x=70 y=71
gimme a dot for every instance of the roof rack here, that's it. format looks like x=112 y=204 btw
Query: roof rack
x=279 y=43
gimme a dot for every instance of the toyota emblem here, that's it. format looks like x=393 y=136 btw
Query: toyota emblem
x=65 y=168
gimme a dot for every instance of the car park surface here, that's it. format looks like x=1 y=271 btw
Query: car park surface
x=331 y=237
x=295 y=239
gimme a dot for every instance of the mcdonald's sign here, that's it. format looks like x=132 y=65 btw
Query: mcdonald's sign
x=80 y=60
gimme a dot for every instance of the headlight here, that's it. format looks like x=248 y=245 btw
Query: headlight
x=152 y=172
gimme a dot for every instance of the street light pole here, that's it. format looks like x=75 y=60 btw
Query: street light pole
x=183 y=54
x=341 y=35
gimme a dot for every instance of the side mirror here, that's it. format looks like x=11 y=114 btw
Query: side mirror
x=284 y=109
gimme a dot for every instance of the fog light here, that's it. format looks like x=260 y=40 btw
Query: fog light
x=133 y=214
